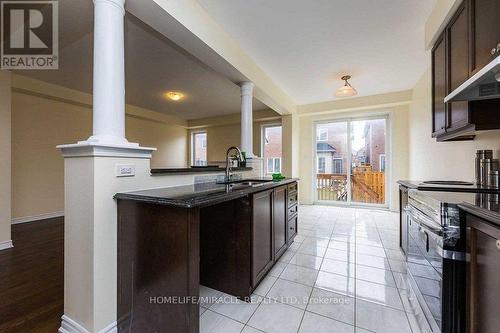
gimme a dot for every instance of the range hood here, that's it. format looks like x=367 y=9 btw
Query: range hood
x=485 y=84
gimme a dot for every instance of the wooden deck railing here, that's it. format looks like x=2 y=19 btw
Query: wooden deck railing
x=366 y=186
x=332 y=186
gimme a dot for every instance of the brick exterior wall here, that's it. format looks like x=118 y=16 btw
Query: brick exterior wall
x=375 y=142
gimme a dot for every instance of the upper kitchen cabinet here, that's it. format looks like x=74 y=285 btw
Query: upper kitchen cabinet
x=457 y=37
x=468 y=43
x=485 y=30
x=439 y=108
x=450 y=68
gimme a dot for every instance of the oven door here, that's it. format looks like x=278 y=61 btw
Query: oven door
x=404 y=230
x=424 y=265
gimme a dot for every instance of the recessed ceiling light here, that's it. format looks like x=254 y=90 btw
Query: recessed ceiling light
x=174 y=95
x=346 y=90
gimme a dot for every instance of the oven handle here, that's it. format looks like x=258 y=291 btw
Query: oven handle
x=437 y=235
x=427 y=231
x=422 y=221
x=433 y=233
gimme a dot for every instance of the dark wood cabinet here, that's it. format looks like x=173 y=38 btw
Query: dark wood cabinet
x=274 y=225
x=262 y=235
x=292 y=228
x=450 y=68
x=457 y=41
x=167 y=251
x=470 y=40
x=483 y=278
x=280 y=208
x=439 y=109
x=292 y=216
x=485 y=32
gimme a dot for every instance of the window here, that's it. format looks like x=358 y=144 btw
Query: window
x=381 y=162
x=337 y=165
x=322 y=134
x=274 y=165
x=199 y=148
x=271 y=148
x=321 y=164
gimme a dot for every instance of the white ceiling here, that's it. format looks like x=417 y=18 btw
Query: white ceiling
x=306 y=46
x=153 y=65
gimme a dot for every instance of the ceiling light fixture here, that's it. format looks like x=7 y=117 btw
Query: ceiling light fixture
x=174 y=95
x=346 y=90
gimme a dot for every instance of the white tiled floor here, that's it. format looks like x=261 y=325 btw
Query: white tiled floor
x=344 y=273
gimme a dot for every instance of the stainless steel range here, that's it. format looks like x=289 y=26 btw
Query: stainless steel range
x=434 y=242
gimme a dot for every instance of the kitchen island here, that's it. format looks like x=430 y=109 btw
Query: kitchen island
x=171 y=240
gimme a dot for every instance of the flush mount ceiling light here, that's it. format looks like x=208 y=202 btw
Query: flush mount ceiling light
x=346 y=90
x=174 y=95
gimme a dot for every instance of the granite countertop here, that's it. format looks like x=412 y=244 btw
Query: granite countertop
x=491 y=215
x=197 y=195
x=166 y=171
x=474 y=188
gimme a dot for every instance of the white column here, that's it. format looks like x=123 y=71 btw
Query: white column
x=247 y=118
x=90 y=182
x=109 y=74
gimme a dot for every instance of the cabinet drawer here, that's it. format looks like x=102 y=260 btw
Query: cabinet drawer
x=292 y=211
x=292 y=188
x=292 y=228
x=292 y=199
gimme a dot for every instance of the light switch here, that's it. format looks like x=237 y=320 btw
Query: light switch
x=125 y=170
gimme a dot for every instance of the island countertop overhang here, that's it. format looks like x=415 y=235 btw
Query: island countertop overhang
x=197 y=195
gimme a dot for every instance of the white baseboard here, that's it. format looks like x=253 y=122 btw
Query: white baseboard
x=68 y=325
x=6 y=245
x=37 y=217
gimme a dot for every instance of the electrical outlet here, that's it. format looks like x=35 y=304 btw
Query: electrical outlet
x=125 y=170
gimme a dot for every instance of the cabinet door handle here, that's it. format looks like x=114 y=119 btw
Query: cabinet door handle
x=498 y=244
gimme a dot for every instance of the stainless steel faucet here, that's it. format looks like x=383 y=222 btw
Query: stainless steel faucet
x=239 y=156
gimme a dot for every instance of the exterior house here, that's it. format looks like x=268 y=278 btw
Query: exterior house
x=331 y=148
x=374 y=150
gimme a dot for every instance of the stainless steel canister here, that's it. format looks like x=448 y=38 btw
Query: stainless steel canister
x=481 y=155
x=493 y=178
x=493 y=202
x=487 y=165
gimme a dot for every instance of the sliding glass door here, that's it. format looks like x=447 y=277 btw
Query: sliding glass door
x=351 y=161
x=368 y=154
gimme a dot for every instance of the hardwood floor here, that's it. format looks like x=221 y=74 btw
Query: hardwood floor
x=32 y=278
